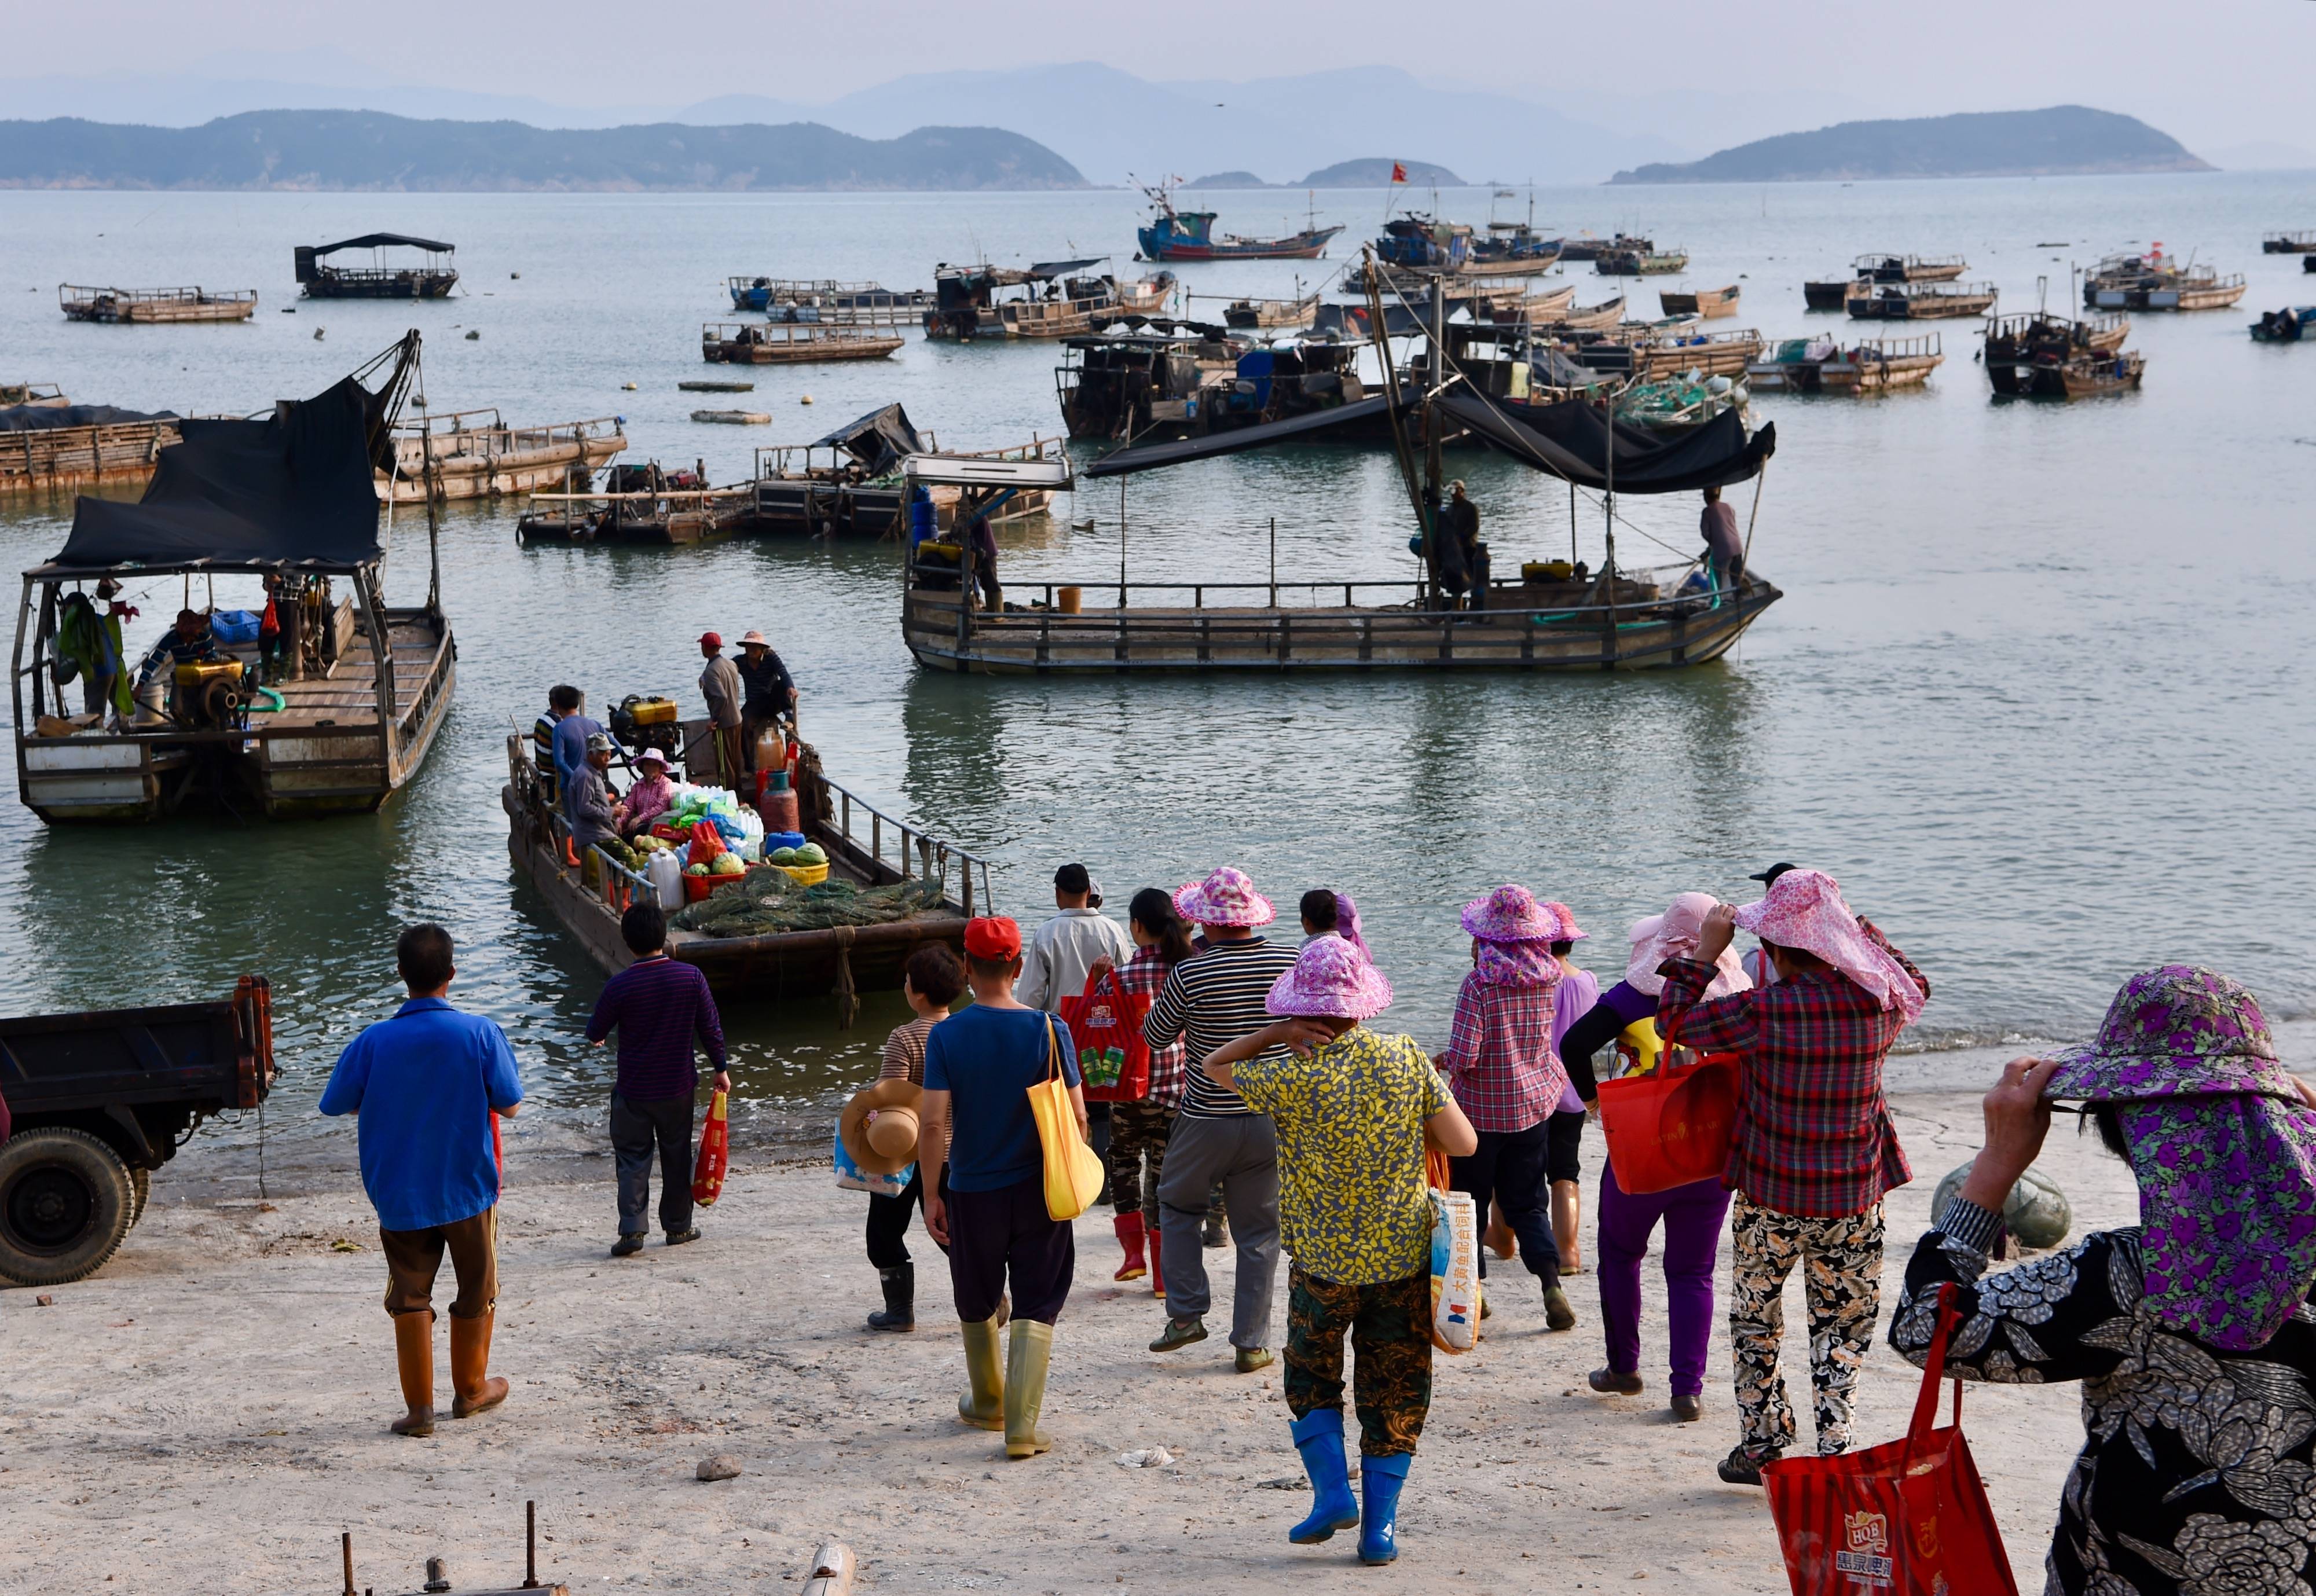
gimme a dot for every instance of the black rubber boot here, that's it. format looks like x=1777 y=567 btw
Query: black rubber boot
x=900 y=1313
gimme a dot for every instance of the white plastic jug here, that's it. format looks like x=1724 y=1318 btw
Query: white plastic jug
x=667 y=880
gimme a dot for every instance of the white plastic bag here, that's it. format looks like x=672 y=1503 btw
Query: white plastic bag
x=1455 y=1272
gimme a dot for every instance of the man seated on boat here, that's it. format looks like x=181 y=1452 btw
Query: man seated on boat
x=769 y=692
x=651 y=796
x=191 y=642
x=1723 y=550
x=590 y=805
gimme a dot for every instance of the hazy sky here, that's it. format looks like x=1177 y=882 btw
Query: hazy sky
x=2210 y=73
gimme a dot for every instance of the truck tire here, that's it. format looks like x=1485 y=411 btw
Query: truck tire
x=140 y=1184
x=66 y=1202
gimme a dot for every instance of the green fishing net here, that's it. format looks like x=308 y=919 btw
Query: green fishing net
x=765 y=903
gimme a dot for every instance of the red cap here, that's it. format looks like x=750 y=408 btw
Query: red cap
x=714 y=640
x=995 y=937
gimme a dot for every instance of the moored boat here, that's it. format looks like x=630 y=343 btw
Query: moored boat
x=1251 y=315
x=148 y=307
x=473 y=454
x=1634 y=262
x=2294 y=325
x=32 y=394
x=2154 y=281
x=1585 y=247
x=1821 y=365
x=824 y=294
x=431 y=279
x=797 y=343
x=1510 y=248
x=1050 y=299
x=51 y=448
x=847 y=482
x=2015 y=344
x=1173 y=235
x=2289 y=244
x=2087 y=375
x=1608 y=313
x=1707 y=303
x=1917 y=302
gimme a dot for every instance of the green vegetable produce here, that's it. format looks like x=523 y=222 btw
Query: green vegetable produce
x=695 y=870
x=726 y=863
x=811 y=854
x=781 y=855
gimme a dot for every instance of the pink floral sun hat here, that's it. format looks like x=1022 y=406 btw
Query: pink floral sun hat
x=1673 y=934
x=1804 y=908
x=1225 y=898
x=1511 y=914
x=1569 y=931
x=1330 y=978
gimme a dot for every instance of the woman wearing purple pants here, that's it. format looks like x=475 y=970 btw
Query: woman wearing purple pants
x=1691 y=1214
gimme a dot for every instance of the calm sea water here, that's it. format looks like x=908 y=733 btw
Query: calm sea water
x=2037 y=693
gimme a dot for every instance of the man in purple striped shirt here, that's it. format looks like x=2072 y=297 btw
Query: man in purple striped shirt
x=660 y=1007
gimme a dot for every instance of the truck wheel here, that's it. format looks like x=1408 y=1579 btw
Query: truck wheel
x=66 y=1202
x=141 y=1185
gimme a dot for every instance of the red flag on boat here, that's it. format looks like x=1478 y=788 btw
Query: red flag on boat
x=1398 y=171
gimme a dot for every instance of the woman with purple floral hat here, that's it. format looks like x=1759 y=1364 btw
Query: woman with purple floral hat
x=2192 y=1331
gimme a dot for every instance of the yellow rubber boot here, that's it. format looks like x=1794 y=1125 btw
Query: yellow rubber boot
x=984 y=1405
x=1025 y=1388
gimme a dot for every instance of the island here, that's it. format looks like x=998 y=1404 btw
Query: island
x=368 y=151
x=1375 y=173
x=1229 y=180
x=2062 y=140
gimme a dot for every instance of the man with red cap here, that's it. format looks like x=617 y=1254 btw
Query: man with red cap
x=720 y=685
x=975 y=1117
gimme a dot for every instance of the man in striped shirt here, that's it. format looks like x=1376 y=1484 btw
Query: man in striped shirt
x=1212 y=999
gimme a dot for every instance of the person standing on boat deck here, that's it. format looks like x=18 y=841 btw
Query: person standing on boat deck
x=567 y=737
x=1463 y=529
x=1212 y=999
x=1722 y=548
x=1757 y=962
x=1578 y=990
x=769 y=691
x=422 y=1087
x=660 y=1006
x=1814 y=1150
x=974 y=1123
x=982 y=543
x=719 y=684
x=932 y=980
x=1066 y=948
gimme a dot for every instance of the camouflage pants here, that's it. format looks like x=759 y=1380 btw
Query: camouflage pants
x=1138 y=1141
x=1841 y=1282
x=1390 y=1327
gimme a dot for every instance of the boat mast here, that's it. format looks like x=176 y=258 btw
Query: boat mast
x=1400 y=452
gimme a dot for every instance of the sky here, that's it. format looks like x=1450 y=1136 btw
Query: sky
x=2190 y=70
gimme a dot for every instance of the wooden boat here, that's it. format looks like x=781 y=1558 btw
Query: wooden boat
x=365 y=688
x=795 y=343
x=2017 y=343
x=1117 y=385
x=848 y=481
x=35 y=395
x=1510 y=248
x=1648 y=351
x=1545 y=309
x=1883 y=266
x=1250 y=314
x=67 y=459
x=477 y=456
x=1917 y=302
x=146 y=305
x=1050 y=299
x=2288 y=243
x=2296 y=325
x=1586 y=247
x=1173 y=235
x=824 y=294
x=1609 y=312
x=1828 y=293
x=1821 y=366
x=431 y=279
x=2088 y=376
x=865 y=845
x=1415 y=242
x=1633 y=263
x=2154 y=281
x=641 y=505
x=1708 y=303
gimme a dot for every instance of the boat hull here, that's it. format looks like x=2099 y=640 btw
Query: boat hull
x=1826 y=295
x=400 y=284
x=1308 y=245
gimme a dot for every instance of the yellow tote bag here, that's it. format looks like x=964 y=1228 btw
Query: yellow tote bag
x=1073 y=1170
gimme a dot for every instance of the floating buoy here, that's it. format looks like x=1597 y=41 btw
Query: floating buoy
x=805 y=400
x=288 y=310
x=472 y=336
x=514 y=277
x=626 y=387
x=317 y=334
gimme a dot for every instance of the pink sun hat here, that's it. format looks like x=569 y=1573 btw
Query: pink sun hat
x=1511 y=914
x=1569 y=932
x=1330 y=978
x=1225 y=898
x=1804 y=908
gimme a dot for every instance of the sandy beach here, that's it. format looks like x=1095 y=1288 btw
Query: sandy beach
x=214 y=1404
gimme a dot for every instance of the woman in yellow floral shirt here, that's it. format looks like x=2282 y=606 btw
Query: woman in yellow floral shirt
x=1354 y=1111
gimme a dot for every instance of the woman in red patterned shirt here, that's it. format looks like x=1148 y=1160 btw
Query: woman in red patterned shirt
x=1138 y=1131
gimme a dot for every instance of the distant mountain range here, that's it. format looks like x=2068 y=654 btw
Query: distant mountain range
x=1372 y=172
x=2064 y=139
x=365 y=150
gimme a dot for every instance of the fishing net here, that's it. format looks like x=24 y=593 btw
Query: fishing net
x=765 y=903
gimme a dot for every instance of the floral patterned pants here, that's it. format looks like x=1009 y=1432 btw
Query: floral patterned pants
x=1138 y=1141
x=1841 y=1282
x=1390 y=1327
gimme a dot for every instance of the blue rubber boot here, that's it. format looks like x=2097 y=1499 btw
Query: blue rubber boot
x=1380 y=1479
x=1319 y=1437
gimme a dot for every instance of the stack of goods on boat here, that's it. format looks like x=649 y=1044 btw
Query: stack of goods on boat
x=1705 y=302
x=2052 y=357
x=1872 y=301
x=1050 y=299
x=2289 y=244
x=833 y=299
x=147 y=305
x=1173 y=235
x=1675 y=404
x=2296 y=325
x=2154 y=281
x=48 y=447
x=430 y=278
x=1651 y=261
x=474 y=453
x=1881 y=266
x=1822 y=364
x=329 y=709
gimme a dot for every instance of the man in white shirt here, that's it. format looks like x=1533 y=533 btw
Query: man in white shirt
x=1054 y=965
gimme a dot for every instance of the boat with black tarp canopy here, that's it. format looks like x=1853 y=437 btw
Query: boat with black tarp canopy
x=431 y=280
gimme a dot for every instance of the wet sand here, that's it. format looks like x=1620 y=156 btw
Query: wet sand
x=212 y=1408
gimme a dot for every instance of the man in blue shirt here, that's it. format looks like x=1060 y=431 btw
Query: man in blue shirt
x=425 y=1084
x=568 y=742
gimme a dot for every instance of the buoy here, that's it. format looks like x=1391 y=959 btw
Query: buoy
x=807 y=399
x=514 y=277
x=472 y=336
x=317 y=334
x=626 y=387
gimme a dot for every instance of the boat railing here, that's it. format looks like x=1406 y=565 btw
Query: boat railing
x=1897 y=349
x=1413 y=588
x=790 y=461
x=713 y=334
x=929 y=854
x=80 y=294
x=416 y=441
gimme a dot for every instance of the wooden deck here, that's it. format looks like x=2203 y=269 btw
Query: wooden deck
x=147 y=305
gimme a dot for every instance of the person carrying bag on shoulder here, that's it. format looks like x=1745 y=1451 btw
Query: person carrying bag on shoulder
x=976 y=1117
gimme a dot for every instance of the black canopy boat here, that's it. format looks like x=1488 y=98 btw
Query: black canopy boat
x=432 y=280
x=360 y=689
x=1550 y=617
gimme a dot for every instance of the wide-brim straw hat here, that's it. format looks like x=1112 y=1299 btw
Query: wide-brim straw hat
x=752 y=636
x=1330 y=978
x=1510 y=914
x=879 y=1127
x=1225 y=898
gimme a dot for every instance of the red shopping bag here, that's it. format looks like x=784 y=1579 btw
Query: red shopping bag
x=1105 y=1024
x=715 y=1156
x=1670 y=1128
x=1907 y=1518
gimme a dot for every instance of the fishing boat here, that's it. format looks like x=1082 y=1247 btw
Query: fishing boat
x=145 y=306
x=925 y=889
x=2288 y=243
x=473 y=454
x=1707 y=303
x=2086 y=377
x=1251 y=315
x=33 y=395
x=1917 y=302
x=1117 y=385
x=362 y=688
x=2016 y=345
x=2154 y=281
x=1541 y=310
x=1415 y=243
x=1608 y=313
x=2296 y=325
x=1648 y=350
x=1636 y=263
x=796 y=343
x=51 y=448
x=1821 y=364
x=1173 y=235
x=1586 y=247
x=1511 y=249
x=1884 y=266
x=847 y=482
x=824 y=294
x=641 y=504
x=1050 y=299
x=431 y=279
